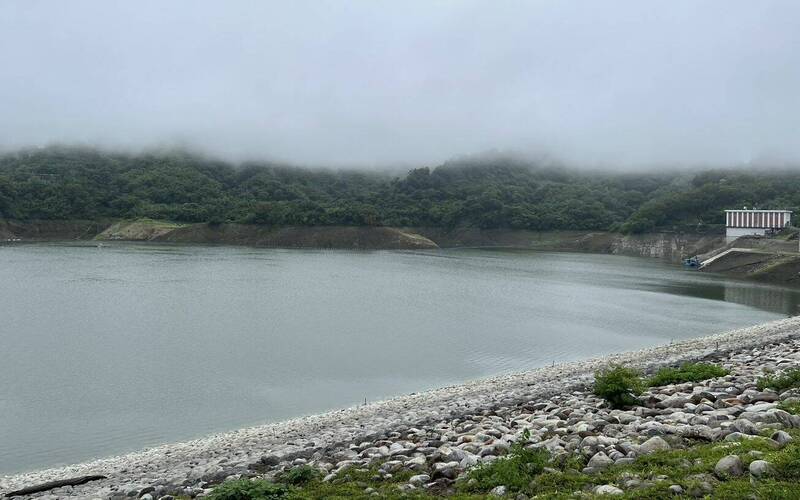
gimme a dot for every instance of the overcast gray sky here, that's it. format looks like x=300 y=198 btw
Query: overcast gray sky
x=386 y=82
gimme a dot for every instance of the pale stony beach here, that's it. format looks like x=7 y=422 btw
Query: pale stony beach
x=426 y=432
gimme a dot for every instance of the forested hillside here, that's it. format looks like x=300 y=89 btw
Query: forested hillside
x=709 y=193
x=82 y=183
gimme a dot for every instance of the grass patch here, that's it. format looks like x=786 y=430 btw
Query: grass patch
x=244 y=489
x=768 y=489
x=787 y=463
x=619 y=386
x=299 y=476
x=792 y=407
x=678 y=466
x=514 y=471
x=687 y=372
x=787 y=380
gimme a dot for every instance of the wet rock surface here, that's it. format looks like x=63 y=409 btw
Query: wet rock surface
x=438 y=435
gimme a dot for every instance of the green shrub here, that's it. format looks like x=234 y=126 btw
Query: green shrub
x=244 y=489
x=764 y=488
x=618 y=385
x=789 y=379
x=688 y=372
x=299 y=476
x=792 y=407
x=787 y=463
x=515 y=470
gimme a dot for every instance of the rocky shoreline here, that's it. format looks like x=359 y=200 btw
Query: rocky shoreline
x=439 y=434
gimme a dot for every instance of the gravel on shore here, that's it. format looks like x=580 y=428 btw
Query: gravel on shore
x=322 y=438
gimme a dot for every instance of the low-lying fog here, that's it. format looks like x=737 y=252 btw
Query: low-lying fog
x=406 y=83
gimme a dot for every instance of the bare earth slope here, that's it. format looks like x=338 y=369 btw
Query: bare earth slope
x=344 y=237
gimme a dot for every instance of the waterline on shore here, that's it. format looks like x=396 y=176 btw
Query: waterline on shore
x=245 y=446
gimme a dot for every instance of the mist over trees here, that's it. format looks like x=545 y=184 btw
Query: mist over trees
x=83 y=183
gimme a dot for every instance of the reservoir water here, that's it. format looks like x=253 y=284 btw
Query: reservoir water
x=107 y=350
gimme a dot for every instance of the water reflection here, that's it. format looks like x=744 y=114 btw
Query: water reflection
x=777 y=299
x=785 y=301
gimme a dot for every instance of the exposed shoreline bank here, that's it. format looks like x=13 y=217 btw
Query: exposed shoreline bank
x=665 y=245
x=767 y=265
x=229 y=453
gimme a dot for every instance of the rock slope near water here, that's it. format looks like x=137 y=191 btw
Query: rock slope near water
x=441 y=433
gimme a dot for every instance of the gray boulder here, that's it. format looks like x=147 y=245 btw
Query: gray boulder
x=782 y=438
x=729 y=466
x=745 y=426
x=760 y=468
x=448 y=470
x=675 y=401
x=787 y=419
x=599 y=461
x=653 y=444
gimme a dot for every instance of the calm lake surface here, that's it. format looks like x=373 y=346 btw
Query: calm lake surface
x=107 y=350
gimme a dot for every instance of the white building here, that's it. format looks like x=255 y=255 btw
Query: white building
x=754 y=222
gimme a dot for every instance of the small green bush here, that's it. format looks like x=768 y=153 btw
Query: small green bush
x=688 y=372
x=618 y=385
x=245 y=489
x=299 y=476
x=515 y=470
x=789 y=379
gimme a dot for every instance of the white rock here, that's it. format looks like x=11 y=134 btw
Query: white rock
x=607 y=489
x=419 y=479
x=498 y=491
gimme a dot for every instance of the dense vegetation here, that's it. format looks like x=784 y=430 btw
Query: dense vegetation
x=497 y=192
